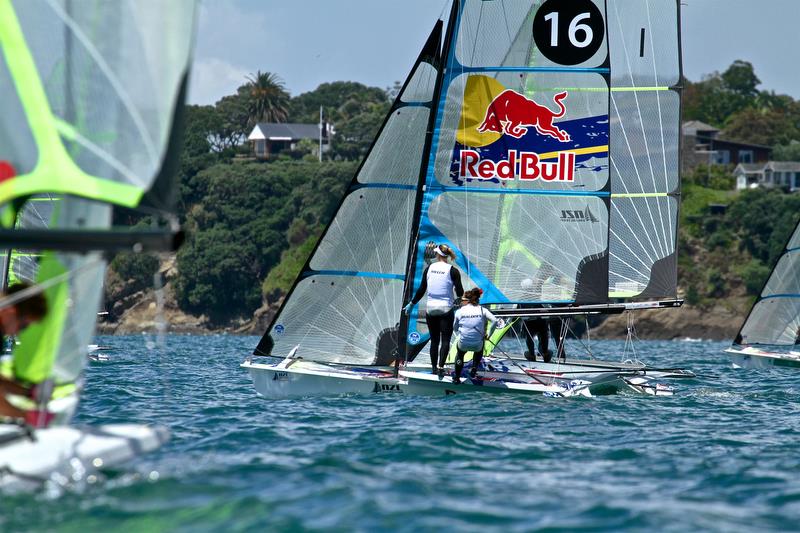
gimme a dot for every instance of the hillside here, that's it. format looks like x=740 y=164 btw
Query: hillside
x=252 y=224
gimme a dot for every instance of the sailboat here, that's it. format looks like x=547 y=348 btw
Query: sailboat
x=93 y=96
x=770 y=334
x=540 y=141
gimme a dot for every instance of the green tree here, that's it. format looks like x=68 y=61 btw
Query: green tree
x=740 y=78
x=233 y=120
x=762 y=126
x=787 y=152
x=268 y=99
x=248 y=215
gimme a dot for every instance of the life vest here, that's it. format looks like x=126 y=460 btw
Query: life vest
x=471 y=321
x=440 y=289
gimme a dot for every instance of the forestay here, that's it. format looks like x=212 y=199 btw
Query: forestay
x=554 y=162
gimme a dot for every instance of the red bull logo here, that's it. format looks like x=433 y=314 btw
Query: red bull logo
x=512 y=114
x=525 y=165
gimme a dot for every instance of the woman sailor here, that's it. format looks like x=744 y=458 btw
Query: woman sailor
x=470 y=323
x=440 y=280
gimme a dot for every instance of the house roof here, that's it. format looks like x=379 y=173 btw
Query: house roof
x=784 y=166
x=722 y=142
x=284 y=131
x=774 y=166
x=749 y=168
x=691 y=127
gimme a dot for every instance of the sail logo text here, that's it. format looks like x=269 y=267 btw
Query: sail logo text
x=578 y=215
x=520 y=165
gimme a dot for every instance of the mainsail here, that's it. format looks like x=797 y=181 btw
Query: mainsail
x=94 y=93
x=774 y=319
x=554 y=162
x=347 y=299
x=550 y=164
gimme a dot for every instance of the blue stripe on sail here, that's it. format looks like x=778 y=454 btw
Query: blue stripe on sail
x=788 y=250
x=780 y=296
x=534 y=69
x=444 y=188
x=352 y=273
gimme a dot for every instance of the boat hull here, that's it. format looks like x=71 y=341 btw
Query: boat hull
x=298 y=378
x=755 y=358
x=69 y=454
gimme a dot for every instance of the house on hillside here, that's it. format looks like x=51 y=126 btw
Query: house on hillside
x=769 y=174
x=270 y=138
x=702 y=146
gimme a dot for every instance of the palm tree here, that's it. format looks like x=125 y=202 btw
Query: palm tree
x=268 y=98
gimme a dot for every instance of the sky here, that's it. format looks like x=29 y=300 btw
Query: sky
x=375 y=42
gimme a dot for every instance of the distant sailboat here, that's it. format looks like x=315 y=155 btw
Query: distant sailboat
x=541 y=144
x=94 y=91
x=770 y=335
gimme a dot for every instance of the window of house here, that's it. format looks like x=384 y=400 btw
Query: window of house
x=797 y=180
x=722 y=157
x=261 y=147
x=745 y=156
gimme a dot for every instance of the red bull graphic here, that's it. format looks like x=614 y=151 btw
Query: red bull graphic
x=512 y=113
x=525 y=165
x=532 y=135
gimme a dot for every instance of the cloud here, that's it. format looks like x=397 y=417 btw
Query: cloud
x=213 y=78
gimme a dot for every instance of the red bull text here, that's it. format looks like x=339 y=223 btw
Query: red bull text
x=513 y=114
x=522 y=165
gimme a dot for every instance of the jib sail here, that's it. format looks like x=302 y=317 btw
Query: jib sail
x=348 y=296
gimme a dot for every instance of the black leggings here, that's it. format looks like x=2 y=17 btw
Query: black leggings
x=441 y=329
x=476 y=360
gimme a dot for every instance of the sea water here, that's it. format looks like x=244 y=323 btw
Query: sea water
x=720 y=455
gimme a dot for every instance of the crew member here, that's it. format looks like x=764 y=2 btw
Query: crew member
x=440 y=280
x=470 y=322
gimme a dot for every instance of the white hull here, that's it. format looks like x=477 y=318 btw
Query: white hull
x=68 y=454
x=755 y=358
x=297 y=378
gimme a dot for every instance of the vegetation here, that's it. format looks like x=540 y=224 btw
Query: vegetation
x=248 y=215
x=252 y=225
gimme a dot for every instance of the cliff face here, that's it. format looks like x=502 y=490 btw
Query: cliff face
x=133 y=308
x=718 y=323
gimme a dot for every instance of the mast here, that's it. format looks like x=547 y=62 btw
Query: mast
x=425 y=167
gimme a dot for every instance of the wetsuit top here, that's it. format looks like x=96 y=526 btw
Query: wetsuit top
x=439 y=280
x=470 y=322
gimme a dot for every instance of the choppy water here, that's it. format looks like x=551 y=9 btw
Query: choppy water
x=720 y=455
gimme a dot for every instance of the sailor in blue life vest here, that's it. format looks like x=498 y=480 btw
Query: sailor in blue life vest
x=440 y=280
x=470 y=323
x=14 y=318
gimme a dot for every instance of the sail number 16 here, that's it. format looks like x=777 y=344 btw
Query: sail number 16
x=574 y=27
x=580 y=21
